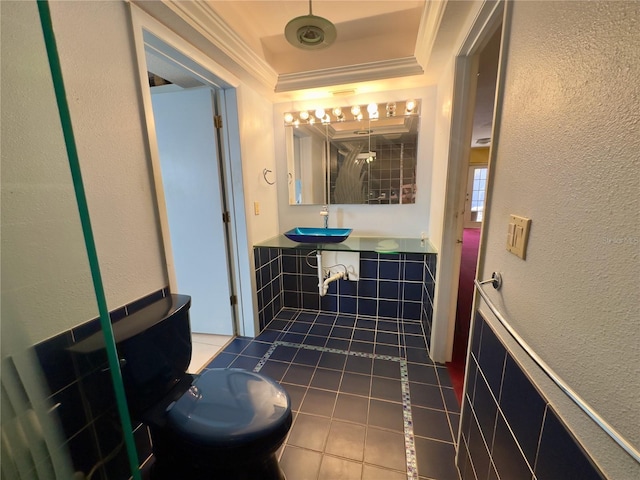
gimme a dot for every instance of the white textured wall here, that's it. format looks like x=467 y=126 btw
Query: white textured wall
x=100 y=75
x=568 y=158
x=46 y=282
x=256 y=141
x=366 y=220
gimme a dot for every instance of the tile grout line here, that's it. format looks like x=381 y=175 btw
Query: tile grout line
x=410 y=451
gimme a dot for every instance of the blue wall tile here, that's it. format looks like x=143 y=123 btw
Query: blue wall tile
x=414 y=271
x=517 y=391
x=81 y=385
x=522 y=432
x=506 y=454
x=491 y=359
x=389 y=270
x=390 y=285
x=560 y=455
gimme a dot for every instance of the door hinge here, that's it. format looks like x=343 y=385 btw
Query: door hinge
x=217 y=121
x=234 y=300
x=226 y=218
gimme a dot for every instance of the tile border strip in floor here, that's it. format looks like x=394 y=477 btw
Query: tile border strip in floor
x=409 y=440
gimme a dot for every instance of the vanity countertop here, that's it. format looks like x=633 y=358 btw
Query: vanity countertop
x=356 y=244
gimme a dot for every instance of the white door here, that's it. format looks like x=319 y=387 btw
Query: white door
x=186 y=136
x=474 y=202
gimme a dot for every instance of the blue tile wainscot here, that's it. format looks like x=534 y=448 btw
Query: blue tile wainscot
x=508 y=428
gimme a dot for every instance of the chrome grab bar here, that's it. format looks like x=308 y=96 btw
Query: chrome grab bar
x=496 y=281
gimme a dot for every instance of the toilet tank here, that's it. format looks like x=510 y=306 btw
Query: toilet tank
x=154 y=349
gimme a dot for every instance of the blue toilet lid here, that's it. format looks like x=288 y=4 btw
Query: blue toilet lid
x=230 y=405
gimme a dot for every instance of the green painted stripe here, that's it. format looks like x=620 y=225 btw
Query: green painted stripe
x=74 y=164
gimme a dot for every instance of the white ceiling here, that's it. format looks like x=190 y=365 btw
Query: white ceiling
x=381 y=45
x=381 y=41
x=368 y=31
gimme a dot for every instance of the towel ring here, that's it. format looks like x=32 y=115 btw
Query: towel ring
x=265 y=172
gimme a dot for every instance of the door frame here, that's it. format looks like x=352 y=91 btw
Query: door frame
x=487 y=21
x=224 y=85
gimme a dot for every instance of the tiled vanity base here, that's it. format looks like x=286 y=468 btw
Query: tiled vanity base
x=392 y=285
x=508 y=428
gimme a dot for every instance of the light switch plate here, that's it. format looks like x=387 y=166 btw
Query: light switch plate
x=518 y=235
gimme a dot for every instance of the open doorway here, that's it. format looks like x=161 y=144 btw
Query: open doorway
x=216 y=176
x=474 y=202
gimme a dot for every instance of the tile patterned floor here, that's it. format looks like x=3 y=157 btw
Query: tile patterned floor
x=368 y=402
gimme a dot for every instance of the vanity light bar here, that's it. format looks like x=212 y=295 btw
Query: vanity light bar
x=372 y=111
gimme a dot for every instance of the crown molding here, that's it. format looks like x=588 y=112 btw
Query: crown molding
x=211 y=26
x=428 y=30
x=398 y=67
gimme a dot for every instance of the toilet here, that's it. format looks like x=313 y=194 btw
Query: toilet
x=222 y=424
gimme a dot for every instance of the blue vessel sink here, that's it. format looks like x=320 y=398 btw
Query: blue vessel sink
x=318 y=235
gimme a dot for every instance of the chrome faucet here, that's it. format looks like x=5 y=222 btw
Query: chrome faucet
x=325 y=214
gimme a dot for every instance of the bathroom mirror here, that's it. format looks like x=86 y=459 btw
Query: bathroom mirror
x=353 y=155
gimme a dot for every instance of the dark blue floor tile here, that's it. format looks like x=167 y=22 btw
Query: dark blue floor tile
x=292 y=337
x=338 y=343
x=381 y=349
x=326 y=379
x=247 y=363
x=386 y=415
x=237 y=345
x=387 y=338
x=450 y=399
x=298 y=375
x=296 y=394
x=284 y=353
x=364 y=335
x=341 y=332
x=300 y=327
x=413 y=329
x=418 y=355
x=358 y=365
x=386 y=368
x=222 y=360
x=334 y=361
x=430 y=423
x=421 y=373
x=314 y=340
x=307 y=316
x=355 y=383
x=443 y=377
x=278 y=324
x=274 y=369
x=325 y=319
x=320 y=329
x=319 y=402
x=423 y=395
x=268 y=336
x=369 y=324
x=307 y=357
x=351 y=407
x=436 y=459
x=256 y=349
x=362 y=347
x=387 y=326
x=386 y=389
x=414 y=341
x=345 y=321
